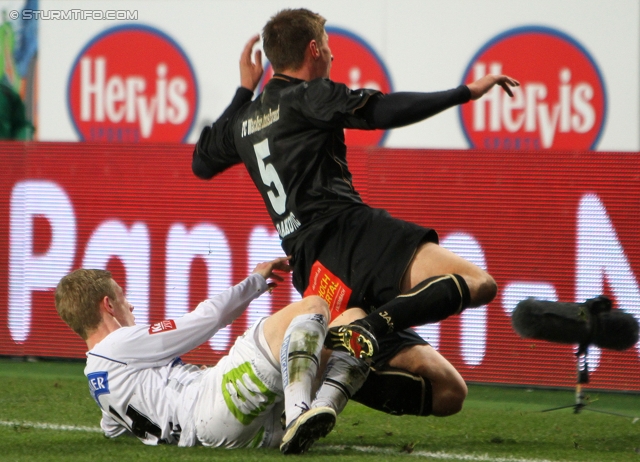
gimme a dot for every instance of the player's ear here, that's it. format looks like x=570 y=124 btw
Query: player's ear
x=105 y=305
x=314 y=49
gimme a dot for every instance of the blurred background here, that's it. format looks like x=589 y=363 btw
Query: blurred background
x=101 y=102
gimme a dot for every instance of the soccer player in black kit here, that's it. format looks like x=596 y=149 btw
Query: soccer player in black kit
x=291 y=140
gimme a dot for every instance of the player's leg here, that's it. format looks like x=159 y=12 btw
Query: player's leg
x=430 y=384
x=276 y=325
x=432 y=260
x=380 y=389
x=344 y=374
x=295 y=334
x=240 y=399
x=437 y=284
x=448 y=388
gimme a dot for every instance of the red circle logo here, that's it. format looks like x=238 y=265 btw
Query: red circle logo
x=357 y=65
x=561 y=101
x=130 y=84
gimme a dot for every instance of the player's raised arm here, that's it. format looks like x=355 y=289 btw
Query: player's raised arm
x=215 y=150
x=399 y=109
x=251 y=70
x=486 y=83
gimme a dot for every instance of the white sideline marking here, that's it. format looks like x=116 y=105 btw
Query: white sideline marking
x=433 y=455
x=367 y=449
x=46 y=426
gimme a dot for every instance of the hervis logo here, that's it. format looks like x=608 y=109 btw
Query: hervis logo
x=357 y=65
x=561 y=103
x=132 y=83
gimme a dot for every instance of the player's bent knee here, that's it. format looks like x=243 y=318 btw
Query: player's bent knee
x=449 y=401
x=484 y=290
x=317 y=305
x=448 y=388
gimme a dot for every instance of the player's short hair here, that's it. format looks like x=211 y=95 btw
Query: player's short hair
x=78 y=297
x=286 y=36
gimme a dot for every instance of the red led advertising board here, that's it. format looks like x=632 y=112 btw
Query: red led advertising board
x=549 y=224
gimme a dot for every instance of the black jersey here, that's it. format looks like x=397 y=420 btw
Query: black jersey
x=291 y=140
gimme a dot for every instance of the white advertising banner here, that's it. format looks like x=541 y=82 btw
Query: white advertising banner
x=131 y=70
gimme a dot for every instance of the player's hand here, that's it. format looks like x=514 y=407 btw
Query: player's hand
x=266 y=270
x=486 y=83
x=251 y=70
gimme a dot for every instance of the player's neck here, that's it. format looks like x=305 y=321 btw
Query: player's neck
x=104 y=328
x=307 y=72
x=93 y=340
x=301 y=74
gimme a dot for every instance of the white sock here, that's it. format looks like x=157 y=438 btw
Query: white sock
x=343 y=377
x=299 y=359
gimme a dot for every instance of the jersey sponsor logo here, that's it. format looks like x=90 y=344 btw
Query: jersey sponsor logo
x=98 y=384
x=357 y=65
x=329 y=287
x=260 y=121
x=162 y=326
x=561 y=103
x=132 y=83
x=245 y=394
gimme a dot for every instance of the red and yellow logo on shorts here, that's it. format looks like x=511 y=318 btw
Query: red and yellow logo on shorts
x=327 y=285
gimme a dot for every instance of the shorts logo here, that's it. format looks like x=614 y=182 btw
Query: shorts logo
x=98 y=384
x=162 y=326
x=329 y=287
x=132 y=83
x=357 y=65
x=561 y=103
x=245 y=394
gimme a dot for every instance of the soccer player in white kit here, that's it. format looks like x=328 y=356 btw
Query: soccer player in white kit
x=143 y=388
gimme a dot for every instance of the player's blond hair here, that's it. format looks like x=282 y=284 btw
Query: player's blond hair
x=286 y=36
x=78 y=298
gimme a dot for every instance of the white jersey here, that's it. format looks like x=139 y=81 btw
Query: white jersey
x=138 y=380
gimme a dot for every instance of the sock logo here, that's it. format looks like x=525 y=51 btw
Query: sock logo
x=385 y=315
x=284 y=360
x=320 y=319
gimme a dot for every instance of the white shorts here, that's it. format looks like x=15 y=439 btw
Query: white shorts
x=241 y=398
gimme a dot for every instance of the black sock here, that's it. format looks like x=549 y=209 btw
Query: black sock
x=432 y=300
x=380 y=392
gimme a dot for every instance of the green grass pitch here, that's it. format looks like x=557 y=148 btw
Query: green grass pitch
x=46 y=414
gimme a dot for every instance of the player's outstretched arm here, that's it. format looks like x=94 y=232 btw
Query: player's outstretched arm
x=266 y=270
x=486 y=83
x=251 y=70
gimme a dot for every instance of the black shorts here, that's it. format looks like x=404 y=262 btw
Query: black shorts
x=391 y=344
x=366 y=248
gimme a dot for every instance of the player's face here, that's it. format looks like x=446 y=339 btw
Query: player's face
x=123 y=310
x=325 y=56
